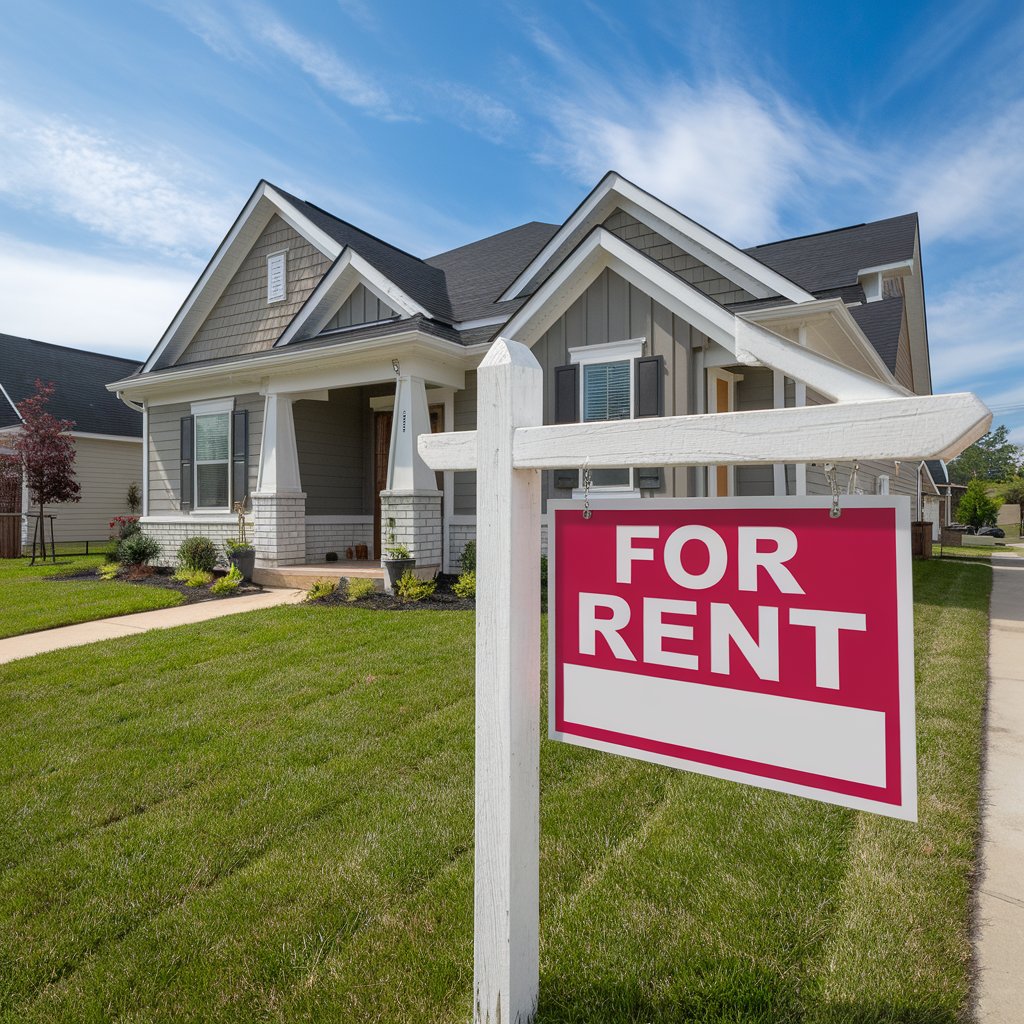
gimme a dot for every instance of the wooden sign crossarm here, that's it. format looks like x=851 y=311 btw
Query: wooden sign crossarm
x=900 y=429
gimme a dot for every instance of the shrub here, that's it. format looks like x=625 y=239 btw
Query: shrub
x=358 y=588
x=137 y=549
x=197 y=553
x=467 y=560
x=397 y=552
x=322 y=588
x=194 y=577
x=411 y=588
x=134 y=498
x=109 y=570
x=226 y=584
x=976 y=508
x=232 y=546
x=465 y=585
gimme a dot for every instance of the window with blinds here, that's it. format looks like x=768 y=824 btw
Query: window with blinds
x=607 y=395
x=213 y=460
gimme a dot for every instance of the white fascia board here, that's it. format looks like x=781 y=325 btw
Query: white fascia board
x=722 y=256
x=835 y=313
x=10 y=401
x=262 y=205
x=105 y=437
x=898 y=269
x=486 y=321
x=348 y=271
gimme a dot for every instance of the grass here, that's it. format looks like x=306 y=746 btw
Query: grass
x=30 y=601
x=268 y=817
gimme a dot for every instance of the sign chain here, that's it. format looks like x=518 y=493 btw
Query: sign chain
x=830 y=473
x=587 y=479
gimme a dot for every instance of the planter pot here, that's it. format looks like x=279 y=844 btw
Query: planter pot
x=245 y=561
x=393 y=569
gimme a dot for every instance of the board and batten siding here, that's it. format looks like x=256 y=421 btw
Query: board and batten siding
x=464 y=500
x=242 y=321
x=104 y=470
x=165 y=451
x=361 y=307
x=334 y=442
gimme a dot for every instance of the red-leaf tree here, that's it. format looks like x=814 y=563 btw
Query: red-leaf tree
x=46 y=452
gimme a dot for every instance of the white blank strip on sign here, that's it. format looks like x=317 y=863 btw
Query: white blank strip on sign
x=824 y=739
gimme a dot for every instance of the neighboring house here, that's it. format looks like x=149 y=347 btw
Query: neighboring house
x=310 y=354
x=108 y=434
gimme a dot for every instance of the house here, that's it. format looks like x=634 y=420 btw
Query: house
x=310 y=354
x=107 y=433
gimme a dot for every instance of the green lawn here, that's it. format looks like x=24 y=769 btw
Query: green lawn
x=29 y=601
x=268 y=817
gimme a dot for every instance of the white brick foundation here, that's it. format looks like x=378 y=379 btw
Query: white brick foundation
x=337 y=533
x=170 y=531
x=417 y=524
x=280 y=529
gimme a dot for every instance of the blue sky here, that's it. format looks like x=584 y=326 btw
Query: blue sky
x=131 y=133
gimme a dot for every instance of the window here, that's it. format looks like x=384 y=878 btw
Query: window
x=607 y=387
x=212 y=453
x=277 y=277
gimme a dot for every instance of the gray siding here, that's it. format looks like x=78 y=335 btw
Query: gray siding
x=242 y=321
x=361 y=307
x=165 y=451
x=904 y=371
x=611 y=309
x=334 y=446
x=755 y=391
x=103 y=469
x=464 y=501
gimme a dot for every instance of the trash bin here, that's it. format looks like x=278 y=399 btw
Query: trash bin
x=921 y=539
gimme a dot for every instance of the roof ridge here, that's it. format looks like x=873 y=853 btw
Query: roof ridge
x=73 y=348
x=830 y=231
x=487 y=238
x=348 y=224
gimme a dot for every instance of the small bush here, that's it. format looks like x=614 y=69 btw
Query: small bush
x=465 y=585
x=232 y=546
x=226 y=584
x=137 y=549
x=358 y=589
x=467 y=560
x=411 y=588
x=322 y=588
x=197 y=553
x=397 y=552
x=194 y=577
x=109 y=570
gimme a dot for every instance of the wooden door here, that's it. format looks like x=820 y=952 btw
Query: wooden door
x=722 y=405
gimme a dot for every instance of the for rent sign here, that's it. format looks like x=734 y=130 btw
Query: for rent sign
x=755 y=640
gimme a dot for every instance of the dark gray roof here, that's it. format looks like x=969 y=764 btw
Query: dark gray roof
x=479 y=272
x=80 y=380
x=831 y=259
x=937 y=471
x=881 y=322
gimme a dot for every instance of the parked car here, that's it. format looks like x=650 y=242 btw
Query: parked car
x=992 y=531
x=961 y=528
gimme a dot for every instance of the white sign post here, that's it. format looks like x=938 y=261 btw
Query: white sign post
x=508 y=450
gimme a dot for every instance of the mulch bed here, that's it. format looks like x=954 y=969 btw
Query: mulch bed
x=442 y=600
x=164 y=579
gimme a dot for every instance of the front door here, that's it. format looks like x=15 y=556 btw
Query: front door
x=381 y=452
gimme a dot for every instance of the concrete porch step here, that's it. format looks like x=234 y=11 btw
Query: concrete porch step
x=303 y=577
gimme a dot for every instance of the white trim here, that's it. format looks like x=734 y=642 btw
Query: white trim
x=609 y=352
x=715 y=374
x=737 y=266
x=213 y=406
x=779 y=402
x=10 y=400
x=486 y=321
x=85 y=435
x=283 y=297
x=897 y=269
x=264 y=202
x=145 y=459
x=800 y=402
x=184 y=518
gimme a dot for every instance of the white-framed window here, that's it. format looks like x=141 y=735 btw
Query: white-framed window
x=277 y=276
x=607 y=392
x=212 y=449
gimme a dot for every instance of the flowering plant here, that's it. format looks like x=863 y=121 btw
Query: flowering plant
x=125 y=526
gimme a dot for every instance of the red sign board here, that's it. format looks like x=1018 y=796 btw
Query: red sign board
x=758 y=640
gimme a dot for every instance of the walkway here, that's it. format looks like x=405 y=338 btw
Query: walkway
x=1000 y=932
x=28 y=644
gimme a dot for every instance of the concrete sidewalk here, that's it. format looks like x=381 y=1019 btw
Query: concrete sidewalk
x=26 y=645
x=999 y=942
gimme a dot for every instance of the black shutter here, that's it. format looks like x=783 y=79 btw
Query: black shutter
x=239 y=455
x=185 y=499
x=566 y=479
x=650 y=386
x=649 y=478
x=567 y=394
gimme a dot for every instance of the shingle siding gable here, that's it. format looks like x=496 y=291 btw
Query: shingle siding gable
x=242 y=322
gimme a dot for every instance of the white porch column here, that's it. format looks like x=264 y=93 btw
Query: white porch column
x=410 y=507
x=279 y=505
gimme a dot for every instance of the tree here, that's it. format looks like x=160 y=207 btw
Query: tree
x=976 y=508
x=1013 y=494
x=993 y=457
x=46 y=452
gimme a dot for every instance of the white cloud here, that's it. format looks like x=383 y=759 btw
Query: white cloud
x=209 y=23
x=74 y=298
x=474 y=111
x=130 y=193
x=325 y=67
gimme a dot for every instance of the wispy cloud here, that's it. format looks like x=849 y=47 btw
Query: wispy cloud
x=131 y=193
x=360 y=13
x=210 y=24
x=473 y=110
x=67 y=297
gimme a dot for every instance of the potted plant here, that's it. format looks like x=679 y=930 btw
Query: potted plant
x=397 y=559
x=241 y=553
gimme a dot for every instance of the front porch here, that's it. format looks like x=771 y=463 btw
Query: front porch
x=302 y=577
